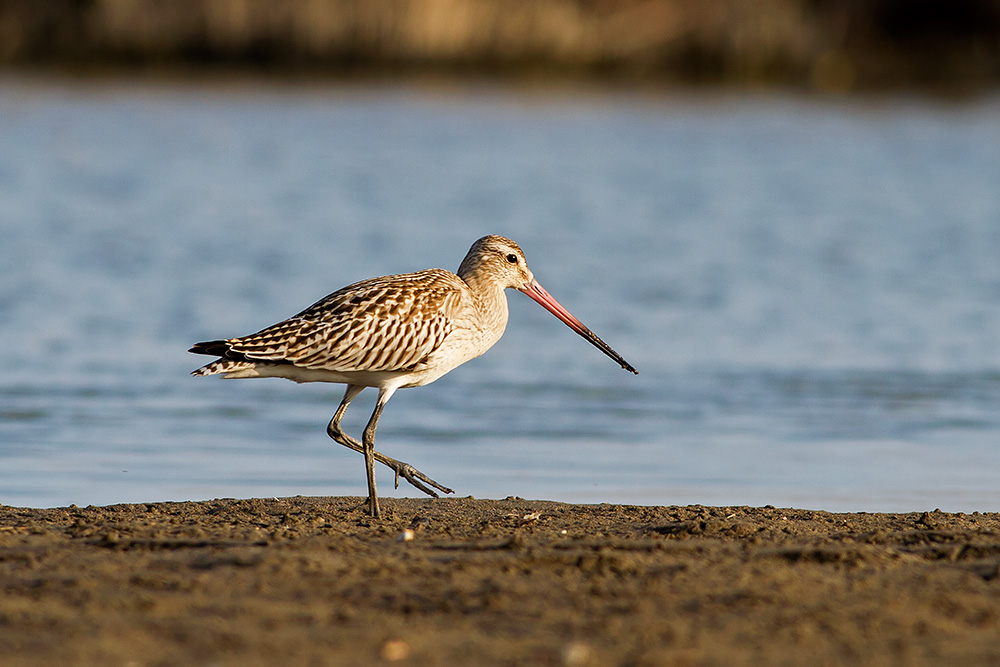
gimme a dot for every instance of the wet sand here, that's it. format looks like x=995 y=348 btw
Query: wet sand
x=494 y=582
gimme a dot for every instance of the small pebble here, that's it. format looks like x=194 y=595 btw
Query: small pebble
x=406 y=535
x=394 y=650
x=577 y=654
x=530 y=518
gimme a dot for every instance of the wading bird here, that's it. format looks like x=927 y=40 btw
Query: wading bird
x=391 y=332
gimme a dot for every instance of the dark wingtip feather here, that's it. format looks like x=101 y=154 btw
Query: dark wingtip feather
x=224 y=349
x=214 y=348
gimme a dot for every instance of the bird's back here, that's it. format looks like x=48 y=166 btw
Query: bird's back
x=388 y=324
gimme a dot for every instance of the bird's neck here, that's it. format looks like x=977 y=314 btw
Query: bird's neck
x=489 y=296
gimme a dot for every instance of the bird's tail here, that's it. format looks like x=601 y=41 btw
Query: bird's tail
x=214 y=348
x=231 y=368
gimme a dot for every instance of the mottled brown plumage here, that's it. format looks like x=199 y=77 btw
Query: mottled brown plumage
x=395 y=331
x=392 y=323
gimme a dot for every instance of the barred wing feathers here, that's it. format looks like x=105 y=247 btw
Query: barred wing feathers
x=392 y=323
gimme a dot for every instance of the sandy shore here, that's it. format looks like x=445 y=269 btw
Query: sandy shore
x=494 y=582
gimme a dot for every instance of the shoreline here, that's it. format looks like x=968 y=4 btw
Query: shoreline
x=828 y=47
x=495 y=582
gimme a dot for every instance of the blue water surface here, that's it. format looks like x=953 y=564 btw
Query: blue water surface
x=810 y=289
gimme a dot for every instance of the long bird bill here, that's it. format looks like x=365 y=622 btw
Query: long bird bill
x=548 y=302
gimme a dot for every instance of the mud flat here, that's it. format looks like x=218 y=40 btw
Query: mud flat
x=495 y=582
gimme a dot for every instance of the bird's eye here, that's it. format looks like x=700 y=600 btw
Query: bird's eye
x=512 y=258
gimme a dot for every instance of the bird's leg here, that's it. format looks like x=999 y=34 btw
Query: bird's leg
x=408 y=472
x=368 y=441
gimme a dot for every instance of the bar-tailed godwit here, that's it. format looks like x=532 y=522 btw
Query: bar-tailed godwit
x=392 y=332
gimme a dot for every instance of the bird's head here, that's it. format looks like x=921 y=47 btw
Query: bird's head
x=498 y=260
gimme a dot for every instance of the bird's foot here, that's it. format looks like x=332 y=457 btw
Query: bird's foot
x=366 y=507
x=417 y=479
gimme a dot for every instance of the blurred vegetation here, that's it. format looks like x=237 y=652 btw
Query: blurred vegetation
x=828 y=45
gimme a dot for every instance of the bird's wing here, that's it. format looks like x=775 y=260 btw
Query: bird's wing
x=381 y=324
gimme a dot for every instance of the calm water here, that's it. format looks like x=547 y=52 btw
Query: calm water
x=810 y=289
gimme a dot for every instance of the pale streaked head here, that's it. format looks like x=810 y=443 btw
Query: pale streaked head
x=497 y=259
x=501 y=260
